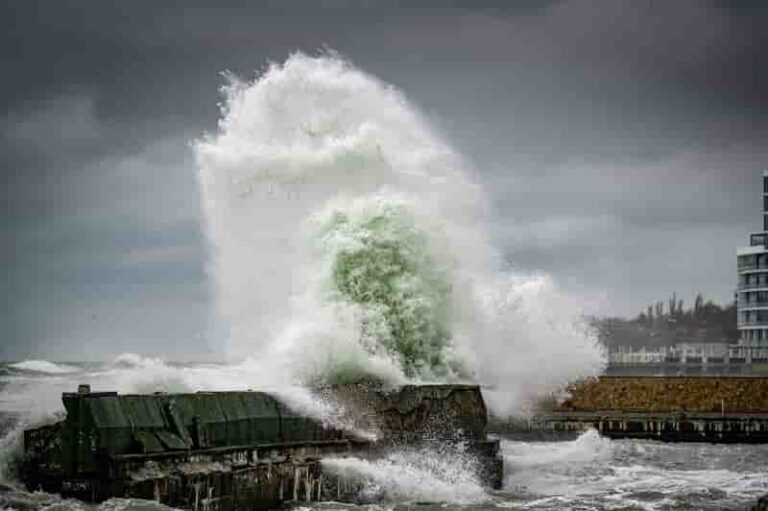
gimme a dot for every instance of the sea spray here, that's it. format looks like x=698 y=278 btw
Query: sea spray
x=535 y=342
x=316 y=136
x=306 y=132
x=43 y=366
x=377 y=259
x=437 y=475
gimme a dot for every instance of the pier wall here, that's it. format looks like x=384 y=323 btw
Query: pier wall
x=675 y=408
x=704 y=394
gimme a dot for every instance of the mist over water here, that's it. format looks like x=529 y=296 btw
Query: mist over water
x=349 y=240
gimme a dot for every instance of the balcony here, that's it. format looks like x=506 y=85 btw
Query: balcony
x=753 y=285
x=750 y=300
x=752 y=322
x=752 y=267
x=757 y=240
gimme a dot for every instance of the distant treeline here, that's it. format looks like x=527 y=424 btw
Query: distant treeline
x=668 y=323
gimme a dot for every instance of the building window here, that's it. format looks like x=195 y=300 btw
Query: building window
x=743 y=261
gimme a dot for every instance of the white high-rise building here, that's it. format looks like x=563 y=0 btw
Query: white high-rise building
x=752 y=292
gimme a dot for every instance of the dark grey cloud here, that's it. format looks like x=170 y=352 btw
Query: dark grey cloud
x=99 y=238
x=621 y=143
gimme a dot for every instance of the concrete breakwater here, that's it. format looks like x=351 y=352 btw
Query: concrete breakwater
x=669 y=408
x=242 y=450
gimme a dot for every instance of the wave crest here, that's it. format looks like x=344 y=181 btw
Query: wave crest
x=349 y=239
x=43 y=366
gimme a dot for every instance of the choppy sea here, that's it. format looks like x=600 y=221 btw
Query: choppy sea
x=588 y=473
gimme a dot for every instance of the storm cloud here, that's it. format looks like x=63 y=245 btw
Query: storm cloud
x=620 y=142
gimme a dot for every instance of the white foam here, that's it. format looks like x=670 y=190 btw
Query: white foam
x=646 y=475
x=588 y=447
x=415 y=476
x=315 y=136
x=44 y=366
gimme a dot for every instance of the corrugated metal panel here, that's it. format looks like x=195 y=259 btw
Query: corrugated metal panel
x=107 y=412
x=171 y=441
x=185 y=408
x=232 y=405
x=259 y=404
x=202 y=419
x=115 y=440
x=177 y=422
x=298 y=428
x=117 y=419
x=144 y=412
x=260 y=421
x=149 y=442
x=208 y=408
x=266 y=423
x=239 y=427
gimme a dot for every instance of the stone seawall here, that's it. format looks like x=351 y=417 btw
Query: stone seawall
x=674 y=408
x=700 y=394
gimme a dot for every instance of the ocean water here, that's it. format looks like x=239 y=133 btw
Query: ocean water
x=589 y=473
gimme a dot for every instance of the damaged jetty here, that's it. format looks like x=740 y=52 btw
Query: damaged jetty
x=242 y=450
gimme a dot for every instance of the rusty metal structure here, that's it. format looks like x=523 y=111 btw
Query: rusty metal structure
x=240 y=450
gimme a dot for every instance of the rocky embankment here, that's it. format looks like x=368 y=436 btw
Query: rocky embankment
x=701 y=394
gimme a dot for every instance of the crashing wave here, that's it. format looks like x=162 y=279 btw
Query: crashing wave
x=348 y=240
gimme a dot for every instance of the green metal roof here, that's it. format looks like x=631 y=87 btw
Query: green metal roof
x=158 y=422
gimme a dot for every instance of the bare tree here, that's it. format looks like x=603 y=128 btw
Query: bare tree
x=698 y=304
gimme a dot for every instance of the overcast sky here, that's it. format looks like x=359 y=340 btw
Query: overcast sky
x=622 y=143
